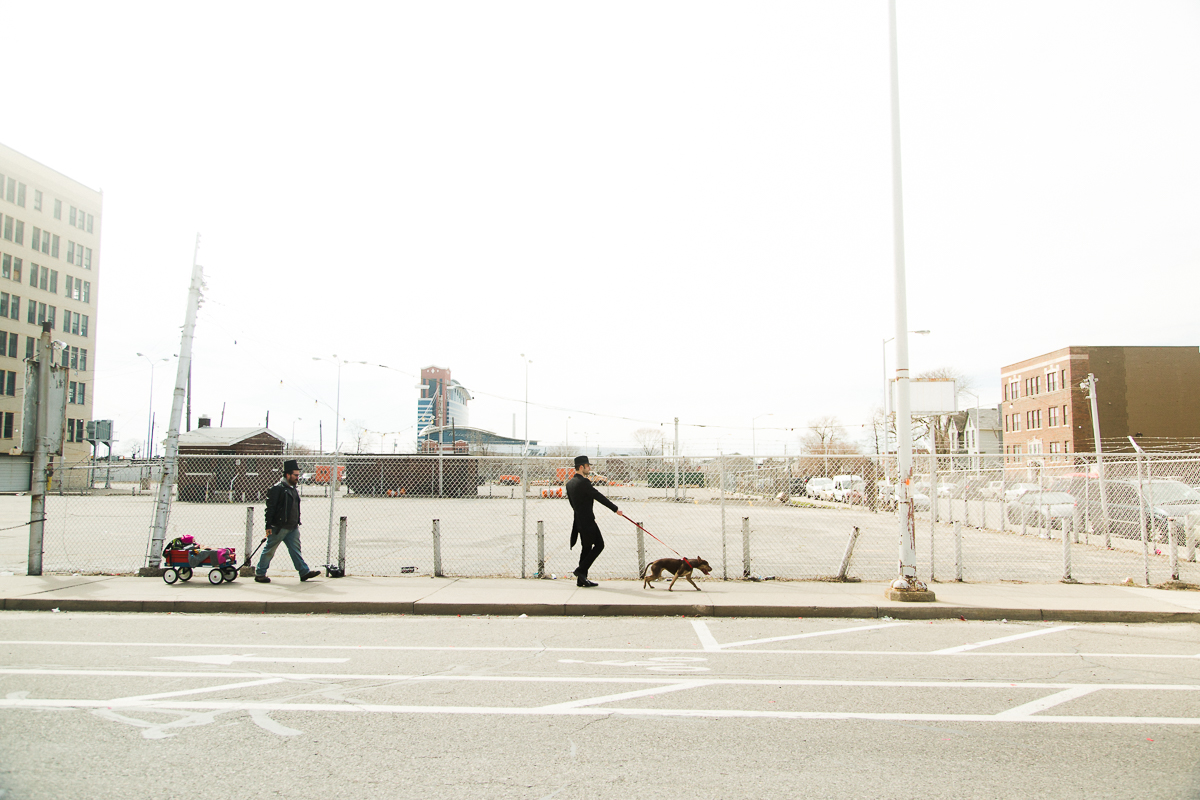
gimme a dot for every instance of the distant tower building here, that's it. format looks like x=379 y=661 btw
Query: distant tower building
x=443 y=401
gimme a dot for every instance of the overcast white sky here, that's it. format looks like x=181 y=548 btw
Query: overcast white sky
x=674 y=208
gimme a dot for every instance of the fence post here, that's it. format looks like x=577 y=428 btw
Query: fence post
x=437 y=548
x=524 y=492
x=958 y=552
x=1076 y=524
x=641 y=550
x=342 y=544
x=745 y=547
x=1190 y=527
x=1066 y=541
x=249 y=531
x=541 y=545
x=724 y=560
x=1172 y=533
x=845 y=567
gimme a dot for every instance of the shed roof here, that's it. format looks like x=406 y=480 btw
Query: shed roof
x=222 y=437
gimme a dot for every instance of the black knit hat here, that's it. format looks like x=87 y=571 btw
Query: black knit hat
x=291 y=465
x=580 y=461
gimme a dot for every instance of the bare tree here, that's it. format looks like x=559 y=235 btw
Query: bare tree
x=649 y=440
x=825 y=437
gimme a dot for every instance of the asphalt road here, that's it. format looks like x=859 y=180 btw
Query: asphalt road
x=157 y=706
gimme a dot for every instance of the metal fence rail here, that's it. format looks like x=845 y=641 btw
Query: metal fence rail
x=481 y=515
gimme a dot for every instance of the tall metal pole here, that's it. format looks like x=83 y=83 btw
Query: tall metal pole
x=162 y=505
x=333 y=478
x=41 y=460
x=1090 y=387
x=526 y=451
x=887 y=400
x=908 y=538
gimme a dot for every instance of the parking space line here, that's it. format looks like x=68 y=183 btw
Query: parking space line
x=707 y=640
x=717 y=713
x=611 y=698
x=812 y=634
x=1058 y=698
x=142 y=697
x=962 y=648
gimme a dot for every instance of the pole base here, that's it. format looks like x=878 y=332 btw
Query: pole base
x=910 y=595
x=909 y=590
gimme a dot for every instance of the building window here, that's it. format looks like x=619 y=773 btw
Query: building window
x=83 y=326
x=8 y=227
x=14 y=308
x=1006 y=423
x=11 y=194
x=87 y=258
x=31 y=317
x=33 y=273
x=54 y=247
x=71 y=393
x=50 y=318
x=35 y=241
x=6 y=266
x=58 y=209
x=1052 y=422
x=4 y=304
x=37 y=199
x=87 y=291
x=12 y=345
x=83 y=359
x=74 y=322
x=71 y=218
x=1051 y=381
x=89 y=227
x=1064 y=416
x=16 y=270
x=45 y=281
x=29 y=345
x=4 y=345
x=74 y=363
x=70 y=252
x=6 y=421
x=82 y=393
x=53 y=281
x=1037 y=414
x=10 y=383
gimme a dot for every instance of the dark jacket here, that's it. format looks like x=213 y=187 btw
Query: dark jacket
x=283 y=506
x=581 y=494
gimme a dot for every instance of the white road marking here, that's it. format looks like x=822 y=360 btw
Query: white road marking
x=707 y=640
x=667 y=664
x=638 y=650
x=962 y=648
x=1042 y=704
x=810 y=635
x=718 y=713
x=611 y=698
x=119 y=701
x=261 y=719
x=225 y=661
x=551 y=679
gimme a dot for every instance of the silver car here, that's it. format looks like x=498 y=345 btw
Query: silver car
x=1042 y=509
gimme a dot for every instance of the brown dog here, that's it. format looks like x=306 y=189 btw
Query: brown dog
x=674 y=566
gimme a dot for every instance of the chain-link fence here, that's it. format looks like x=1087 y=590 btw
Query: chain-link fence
x=996 y=518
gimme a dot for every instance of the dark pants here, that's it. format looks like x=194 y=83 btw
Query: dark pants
x=591 y=543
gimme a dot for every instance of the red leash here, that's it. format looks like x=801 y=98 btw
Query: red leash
x=660 y=541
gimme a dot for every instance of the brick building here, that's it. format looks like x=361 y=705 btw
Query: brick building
x=1150 y=393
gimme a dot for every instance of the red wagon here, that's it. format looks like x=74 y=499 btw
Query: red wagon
x=181 y=561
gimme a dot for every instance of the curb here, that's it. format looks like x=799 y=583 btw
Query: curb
x=905 y=612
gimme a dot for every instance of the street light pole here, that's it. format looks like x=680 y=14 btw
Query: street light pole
x=887 y=396
x=333 y=478
x=907 y=585
x=150 y=413
x=528 y=361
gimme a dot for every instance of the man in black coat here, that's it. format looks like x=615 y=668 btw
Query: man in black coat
x=283 y=524
x=582 y=493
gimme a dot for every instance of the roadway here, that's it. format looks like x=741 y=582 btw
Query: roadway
x=166 y=705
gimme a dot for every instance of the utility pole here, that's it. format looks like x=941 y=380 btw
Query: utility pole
x=162 y=506
x=40 y=476
x=1089 y=386
x=189 y=399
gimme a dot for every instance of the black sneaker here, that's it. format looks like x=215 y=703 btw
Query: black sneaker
x=315 y=573
x=261 y=579
x=584 y=583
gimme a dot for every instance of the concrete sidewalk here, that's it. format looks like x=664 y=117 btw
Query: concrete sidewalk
x=506 y=596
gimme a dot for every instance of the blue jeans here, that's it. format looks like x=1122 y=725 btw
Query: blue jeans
x=286 y=536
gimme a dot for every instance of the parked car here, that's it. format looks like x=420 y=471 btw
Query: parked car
x=1014 y=491
x=918 y=494
x=992 y=490
x=1171 y=499
x=797 y=485
x=843 y=485
x=1041 y=509
x=815 y=485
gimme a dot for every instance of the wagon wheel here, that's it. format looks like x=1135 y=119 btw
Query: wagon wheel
x=230 y=574
x=185 y=574
x=170 y=575
x=215 y=577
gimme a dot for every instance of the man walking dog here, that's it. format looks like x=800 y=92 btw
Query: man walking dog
x=283 y=524
x=581 y=493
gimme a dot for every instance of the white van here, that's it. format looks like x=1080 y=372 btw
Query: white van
x=843 y=485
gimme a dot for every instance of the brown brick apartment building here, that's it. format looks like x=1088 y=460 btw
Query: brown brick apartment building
x=1151 y=393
